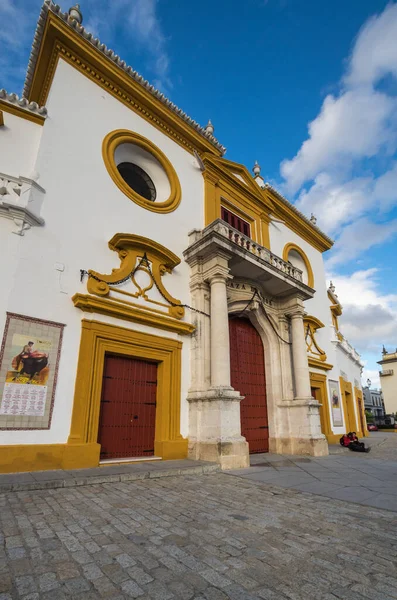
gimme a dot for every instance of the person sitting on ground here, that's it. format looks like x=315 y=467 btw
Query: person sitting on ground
x=355 y=444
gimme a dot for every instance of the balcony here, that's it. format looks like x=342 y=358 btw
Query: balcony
x=248 y=260
x=386 y=372
x=20 y=200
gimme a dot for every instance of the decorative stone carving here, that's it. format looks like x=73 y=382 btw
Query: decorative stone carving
x=143 y=263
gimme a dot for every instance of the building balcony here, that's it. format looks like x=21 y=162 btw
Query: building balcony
x=248 y=260
x=21 y=199
x=386 y=372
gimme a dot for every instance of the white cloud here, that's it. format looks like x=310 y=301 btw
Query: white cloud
x=346 y=163
x=359 y=236
x=369 y=317
x=375 y=52
x=355 y=125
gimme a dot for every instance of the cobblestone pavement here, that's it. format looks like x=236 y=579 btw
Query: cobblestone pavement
x=209 y=537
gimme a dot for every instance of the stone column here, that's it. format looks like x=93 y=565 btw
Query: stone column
x=220 y=346
x=299 y=418
x=214 y=414
x=299 y=356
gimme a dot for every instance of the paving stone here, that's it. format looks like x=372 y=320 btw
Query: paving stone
x=131 y=589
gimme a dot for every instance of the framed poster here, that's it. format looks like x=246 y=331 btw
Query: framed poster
x=336 y=409
x=29 y=359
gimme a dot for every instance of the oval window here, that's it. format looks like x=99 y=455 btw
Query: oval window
x=138 y=180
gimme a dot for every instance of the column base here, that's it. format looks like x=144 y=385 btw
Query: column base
x=215 y=428
x=229 y=454
x=314 y=446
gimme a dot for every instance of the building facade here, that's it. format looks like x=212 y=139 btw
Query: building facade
x=388 y=380
x=160 y=301
x=373 y=403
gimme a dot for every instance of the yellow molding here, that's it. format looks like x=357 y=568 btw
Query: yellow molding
x=348 y=405
x=98 y=339
x=223 y=188
x=319 y=364
x=60 y=40
x=295 y=222
x=114 y=308
x=363 y=431
x=298 y=249
x=124 y=136
x=18 y=111
x=319 y=382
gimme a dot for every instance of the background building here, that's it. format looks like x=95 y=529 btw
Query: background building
x=388 y=380
x=374 y=403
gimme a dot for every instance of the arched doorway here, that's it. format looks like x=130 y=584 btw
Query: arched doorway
x=247 y=369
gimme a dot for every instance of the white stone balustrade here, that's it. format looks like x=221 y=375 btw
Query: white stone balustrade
x=260 y=251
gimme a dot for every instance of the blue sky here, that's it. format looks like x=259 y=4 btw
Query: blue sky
x=307 y=88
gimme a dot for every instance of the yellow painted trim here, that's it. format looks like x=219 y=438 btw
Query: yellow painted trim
x=358 y=395
x=98 y=339
x=60 y=40
x=319 y=382
x=129 y=312
x=223 y=188
x=287 y=249
x=123 y=136
x=18 y=111
x=1 y=118
x=295 y=222
x=82 y=449
x=348 y=405
x=319 y=364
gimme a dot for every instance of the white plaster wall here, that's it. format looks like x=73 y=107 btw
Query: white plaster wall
x=318 y=306
x=83 y=209
x=19 y=142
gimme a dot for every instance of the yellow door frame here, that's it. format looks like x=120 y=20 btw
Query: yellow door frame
x=348 y=405
x=361 y=413
x=98 y=339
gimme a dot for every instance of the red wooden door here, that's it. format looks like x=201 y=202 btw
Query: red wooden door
x=247 y=369
x=128 y=408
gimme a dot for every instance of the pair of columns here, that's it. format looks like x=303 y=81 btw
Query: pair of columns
x=220 y=347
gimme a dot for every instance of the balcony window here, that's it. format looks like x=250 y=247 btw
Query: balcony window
x=235 y=221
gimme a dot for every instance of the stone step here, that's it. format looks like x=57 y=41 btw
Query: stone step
x=40 y=480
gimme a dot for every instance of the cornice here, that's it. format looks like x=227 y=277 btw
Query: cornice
x=21 y=107
x=297 y=221
x=57 y=35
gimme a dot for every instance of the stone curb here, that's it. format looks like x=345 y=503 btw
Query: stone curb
x=116 y=478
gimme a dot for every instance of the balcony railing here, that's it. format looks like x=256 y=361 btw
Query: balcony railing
x=386 y=372
x=260 y=251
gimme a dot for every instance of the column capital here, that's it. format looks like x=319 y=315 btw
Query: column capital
x=217 y=273
x=295 y=312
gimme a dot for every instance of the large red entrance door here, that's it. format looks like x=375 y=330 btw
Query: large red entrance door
x=247 y=367
x=128 y=408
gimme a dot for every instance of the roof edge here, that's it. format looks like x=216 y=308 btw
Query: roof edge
x=23 y=103
x=111 y=55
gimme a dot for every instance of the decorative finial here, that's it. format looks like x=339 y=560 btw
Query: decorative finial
x=384 y=351
x=313 y=219
x=332 y=287
x=75 y=13
x=209 y=128
x=256 y=169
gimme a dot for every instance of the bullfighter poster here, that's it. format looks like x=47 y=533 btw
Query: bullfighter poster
x=28 y=371
x=336 y=409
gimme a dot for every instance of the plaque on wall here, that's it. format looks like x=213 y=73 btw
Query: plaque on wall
x=336 y=408
x=29 y=359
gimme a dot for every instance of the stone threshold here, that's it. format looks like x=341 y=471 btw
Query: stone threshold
x=44 y=480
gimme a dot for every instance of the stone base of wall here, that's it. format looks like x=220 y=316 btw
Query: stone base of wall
x=294 y=445
x=229 y=454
